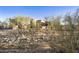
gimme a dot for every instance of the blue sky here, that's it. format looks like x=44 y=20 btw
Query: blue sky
x=37 y=12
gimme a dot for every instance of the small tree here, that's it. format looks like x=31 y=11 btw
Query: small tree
x=55 y=23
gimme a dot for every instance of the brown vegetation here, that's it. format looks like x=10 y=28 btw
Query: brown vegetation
x=36 y=36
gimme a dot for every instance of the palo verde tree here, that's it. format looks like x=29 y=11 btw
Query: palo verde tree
x=19 y=21
x=69 y=22
x=55 y=23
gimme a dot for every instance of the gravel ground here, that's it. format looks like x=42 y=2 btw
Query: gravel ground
x=25 y=41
